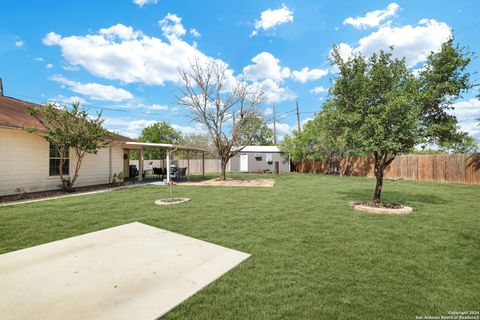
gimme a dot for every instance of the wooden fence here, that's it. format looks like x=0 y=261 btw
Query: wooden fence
x=194 y=166
x=459 y=168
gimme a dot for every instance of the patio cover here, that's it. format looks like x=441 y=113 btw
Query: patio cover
x=169 y=148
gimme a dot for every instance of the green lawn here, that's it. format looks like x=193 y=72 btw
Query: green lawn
x=312 y=256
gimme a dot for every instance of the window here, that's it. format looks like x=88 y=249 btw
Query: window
x=269 y=158
x=54 y=167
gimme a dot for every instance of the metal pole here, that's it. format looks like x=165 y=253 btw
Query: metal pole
x=203 y=164
x=274 y=126
x=188 y=164
x=298 y=119
x=168 y=166
x=140 y=165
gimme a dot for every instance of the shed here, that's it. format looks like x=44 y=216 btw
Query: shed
x=260 y=158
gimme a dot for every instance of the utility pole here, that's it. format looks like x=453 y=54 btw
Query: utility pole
x=233 y=117
x=274 y=126
x=298 y=119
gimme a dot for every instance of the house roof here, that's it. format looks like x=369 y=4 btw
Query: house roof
x=13 y=114
x=261 y=149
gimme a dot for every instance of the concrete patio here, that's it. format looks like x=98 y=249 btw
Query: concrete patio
x=133 y=271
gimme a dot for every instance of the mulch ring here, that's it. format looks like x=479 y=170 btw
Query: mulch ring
x=381 y=208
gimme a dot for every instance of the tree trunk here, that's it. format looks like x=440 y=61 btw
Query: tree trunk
x=223 y=169
x=379 y=180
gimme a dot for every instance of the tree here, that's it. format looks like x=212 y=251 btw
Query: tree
x=212 y=98
x=385 y=110
x=201 y=141
x=463 y=143
x=67 y=129
x=257 y=133
x=326 y=137
x=159 y=132
x=319 y=140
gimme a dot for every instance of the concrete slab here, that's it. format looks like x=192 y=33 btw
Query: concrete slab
x=133 y=271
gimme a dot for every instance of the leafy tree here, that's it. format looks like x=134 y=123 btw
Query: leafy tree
x=159 y=132
x=257 y=133
x=463 y=143
x=297 y=145
x=67 y=129
x=212 y=98
x=385 y=110
x=320 y=140
x=442 y=81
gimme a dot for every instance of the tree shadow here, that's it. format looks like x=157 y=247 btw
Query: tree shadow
x=393 y=196
x=354 y=166
x=474 y=161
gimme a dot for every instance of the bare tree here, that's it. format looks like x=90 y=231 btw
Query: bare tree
x=219 y=102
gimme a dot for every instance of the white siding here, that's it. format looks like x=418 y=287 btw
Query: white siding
x=24 y=160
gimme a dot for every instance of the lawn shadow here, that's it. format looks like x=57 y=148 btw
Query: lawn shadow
x=404 y=197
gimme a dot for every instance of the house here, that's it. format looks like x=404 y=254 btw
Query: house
x=260 y=159
x=27 y=162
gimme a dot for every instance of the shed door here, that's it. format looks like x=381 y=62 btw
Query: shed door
x=244 y=162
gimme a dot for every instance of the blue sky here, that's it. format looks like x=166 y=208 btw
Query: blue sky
x=123 y=55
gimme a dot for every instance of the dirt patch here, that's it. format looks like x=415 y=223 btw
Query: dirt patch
x=385 y=208
x=232 y=183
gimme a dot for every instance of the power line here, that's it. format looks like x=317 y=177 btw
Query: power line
x=41 y=100
x=470 y=27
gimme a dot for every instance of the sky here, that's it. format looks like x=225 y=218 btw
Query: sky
x=122 y=57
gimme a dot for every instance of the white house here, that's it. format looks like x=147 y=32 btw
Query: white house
x=27 y=163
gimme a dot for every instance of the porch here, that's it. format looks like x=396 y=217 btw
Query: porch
x=169 y=149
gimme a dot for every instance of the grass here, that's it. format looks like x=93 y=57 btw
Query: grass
x=312 y=256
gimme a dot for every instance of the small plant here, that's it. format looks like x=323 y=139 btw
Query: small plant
x=21 y=193
x=117 y=179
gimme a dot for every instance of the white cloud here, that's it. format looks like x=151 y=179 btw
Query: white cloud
x=197 y=129
x=19 y=43
x=467 y=113
x=49 y=66
x=467 y=109
x=414 y=43
x=304 y=121
x=141 y=3
x=157 y=107
x=39 y=59
x=282 y=128
x=373 y=18
x=120 y=31
x=121 y=53
x=68 y=100
x=94 y=91
x=318 y=90
x=268 y=111
x=194 y=32
x=345 y=51
x=172 y=27
x=273 y=92
x=272 y=18
x=51 y=39
x=307 y=74
x=265 y=66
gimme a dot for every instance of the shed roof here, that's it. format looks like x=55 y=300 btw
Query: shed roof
x=261 y=149
x=14 y=114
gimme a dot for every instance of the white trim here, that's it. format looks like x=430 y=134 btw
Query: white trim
x=269 y=149
x=159 y=145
